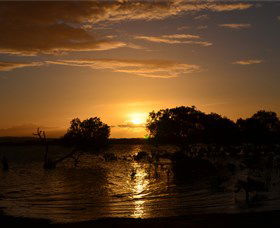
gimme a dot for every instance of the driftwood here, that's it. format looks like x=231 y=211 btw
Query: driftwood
x=48 y=162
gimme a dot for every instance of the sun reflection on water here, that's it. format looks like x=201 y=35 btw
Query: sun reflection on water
x=139 y=188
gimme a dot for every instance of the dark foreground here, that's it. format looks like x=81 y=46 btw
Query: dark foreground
x=256 y=219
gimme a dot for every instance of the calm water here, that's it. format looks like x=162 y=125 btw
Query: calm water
x=95 y=189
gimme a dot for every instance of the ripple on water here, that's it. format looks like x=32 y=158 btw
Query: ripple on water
x=95 y=189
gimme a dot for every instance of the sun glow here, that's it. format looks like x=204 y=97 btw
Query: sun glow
x=137 y=118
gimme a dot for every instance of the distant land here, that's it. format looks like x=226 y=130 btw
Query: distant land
x=14 y=141
x=26 y=130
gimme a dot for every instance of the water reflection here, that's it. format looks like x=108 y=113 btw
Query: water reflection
x=140 y=186
x=96 y=189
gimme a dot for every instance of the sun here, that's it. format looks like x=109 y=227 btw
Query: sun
x=137 y=118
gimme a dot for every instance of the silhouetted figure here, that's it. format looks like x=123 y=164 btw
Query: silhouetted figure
x=248 y=186
x=5 y=163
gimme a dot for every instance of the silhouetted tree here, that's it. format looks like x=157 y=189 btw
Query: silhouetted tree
x=262 y=127
x=81 y=135
x=183 y=125
x=91 y=133
x=48 y=163
x=218 y=129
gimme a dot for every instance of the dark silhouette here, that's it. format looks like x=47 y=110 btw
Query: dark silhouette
x=262 y=128
x=141 y=155
x=91 y=133
x=5 y=163
x=187 y=168
x=186 y=125
x=110 y=157
x=250 y=185
x=48 y=163
x=208 y=143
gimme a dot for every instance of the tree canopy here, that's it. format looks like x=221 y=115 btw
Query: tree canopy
x=91 y=132
x=262 y=127
x=188 y=125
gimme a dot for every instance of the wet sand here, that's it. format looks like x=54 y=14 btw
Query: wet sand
x=256 y=219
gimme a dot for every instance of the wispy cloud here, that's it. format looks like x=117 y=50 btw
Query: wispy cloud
x=54 y=27
x=235 y=26
x=7 y=66
x=175 y=39
x=201 y=27
x=248 y=62
x=181 y=36
x=183 y=28
x=201 y=17
x=144 y=68
x=131 y=125
x=231 y=6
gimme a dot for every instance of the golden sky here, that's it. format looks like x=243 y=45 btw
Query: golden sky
x=119 y=60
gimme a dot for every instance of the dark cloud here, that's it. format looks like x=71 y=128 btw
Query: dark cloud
x=51 y=27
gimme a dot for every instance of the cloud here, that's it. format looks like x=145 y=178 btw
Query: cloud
x=248 y=62
x=183 y=28
x=236 y=26
x=144 y=68
x=181 y=36
x=54 y=27
x=50 y=39
x=201 y=17
x=174 y=39
x=201 y=27
x=6 y=66
x=220 y=7
x=131 y=125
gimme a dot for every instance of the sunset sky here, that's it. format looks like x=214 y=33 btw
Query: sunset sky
x=119 y=60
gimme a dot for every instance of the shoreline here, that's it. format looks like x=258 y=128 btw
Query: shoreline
x=249 y=219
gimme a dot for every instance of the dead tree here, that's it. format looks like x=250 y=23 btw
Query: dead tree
x=50 y=163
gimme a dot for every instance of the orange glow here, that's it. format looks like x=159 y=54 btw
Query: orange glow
x=137 y=118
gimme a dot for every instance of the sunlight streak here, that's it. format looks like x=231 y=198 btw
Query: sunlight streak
x=141 y=183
